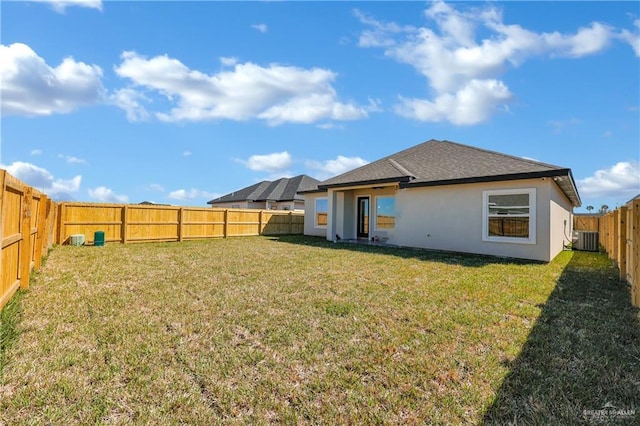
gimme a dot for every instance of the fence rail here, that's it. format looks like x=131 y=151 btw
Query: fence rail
x=26 y=234
x=619 y=234
x=126 y=223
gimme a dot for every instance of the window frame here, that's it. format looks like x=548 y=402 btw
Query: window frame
x=315 y=211
x=532 y=216
x=394 y=210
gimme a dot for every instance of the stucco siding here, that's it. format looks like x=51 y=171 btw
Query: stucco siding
x=232 y=205
x=450 y=218
x=309 y=215
x=561 y=220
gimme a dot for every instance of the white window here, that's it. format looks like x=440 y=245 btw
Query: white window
x=509 y=215
x=321 y=210
x=385 y=212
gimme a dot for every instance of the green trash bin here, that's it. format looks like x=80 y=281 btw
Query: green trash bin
x=98 y=238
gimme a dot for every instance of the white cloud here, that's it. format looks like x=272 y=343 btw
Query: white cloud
x=130 y=101
x=560 y=125
x=472 y=104
x=75 y=160
x=42 y=180
x=71 y=159
x=60 y=6
x=271 y=163
x=620 y=180
x=156 y=187
x=274 y=93
x=228 y=61
x=462 y=54
x=31 y=87
x=329 y=168
x=36 y=152
x=633 y=38
x=191 y=194
x=263 y=28
x=186 y=154
x=586 y=41
x=106 y=195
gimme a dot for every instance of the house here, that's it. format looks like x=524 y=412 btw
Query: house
x=447 y=196
x=281 y=194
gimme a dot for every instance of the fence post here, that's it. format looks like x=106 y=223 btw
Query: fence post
x=622 y=242
x=290 y=223
x=25 y=246
x=3 y=175
x=180 y=223
x=635 y=249
x=616 y=236
x=61 y=212
x=225 y=229
x=53 y=232
x=46 y=242
x=40 y=240
x=123 y=226
x=260 y=222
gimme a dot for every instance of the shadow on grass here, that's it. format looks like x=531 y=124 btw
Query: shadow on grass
x=451 y=258
x=581 y=361
x=10 y=316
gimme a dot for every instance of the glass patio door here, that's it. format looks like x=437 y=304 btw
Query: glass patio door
x=363 y=217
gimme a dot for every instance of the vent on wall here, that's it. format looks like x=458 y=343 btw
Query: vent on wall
x=585 y=240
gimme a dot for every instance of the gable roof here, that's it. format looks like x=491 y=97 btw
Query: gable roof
x=445 y=163
x=283 y=189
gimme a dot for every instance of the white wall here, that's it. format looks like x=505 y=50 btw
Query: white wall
x=450 y=218
x=560 y=212
x=232 y=205
x=309 y=215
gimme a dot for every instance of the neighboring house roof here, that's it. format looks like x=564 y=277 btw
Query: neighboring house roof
x=151 y=203
x=284 y=189
x=444 y=163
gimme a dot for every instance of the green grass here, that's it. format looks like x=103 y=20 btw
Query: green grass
x=9 y=319
x=299 y=330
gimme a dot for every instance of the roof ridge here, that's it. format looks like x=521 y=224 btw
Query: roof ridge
x=401 y=169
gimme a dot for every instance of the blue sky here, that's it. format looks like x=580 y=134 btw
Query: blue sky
x=180 y=102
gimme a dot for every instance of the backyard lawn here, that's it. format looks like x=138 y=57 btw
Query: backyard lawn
x=300 y=330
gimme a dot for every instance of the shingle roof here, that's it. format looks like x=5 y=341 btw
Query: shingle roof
x=284 y=189
x=443 y=162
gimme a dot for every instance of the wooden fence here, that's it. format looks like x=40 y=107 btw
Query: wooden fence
x=619 y=235
x=27 y=233
x=588 y=222
x=127 y=223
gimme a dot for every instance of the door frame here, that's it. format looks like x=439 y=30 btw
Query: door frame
x=361 y=232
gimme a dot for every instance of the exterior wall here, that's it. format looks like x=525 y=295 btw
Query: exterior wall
x=283 y=205
x=262 y=205
x=347 y=210
x=450 y=218
x=309 y=215
x=233 y=205
x=561 y=220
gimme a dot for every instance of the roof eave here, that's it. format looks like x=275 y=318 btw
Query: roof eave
x=571 y=192
x=401 y=180
x=311 y=191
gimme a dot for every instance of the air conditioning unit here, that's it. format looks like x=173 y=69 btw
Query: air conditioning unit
x=77 y=240
x=585 y=240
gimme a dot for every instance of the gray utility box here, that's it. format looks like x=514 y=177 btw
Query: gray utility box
x=585 y=240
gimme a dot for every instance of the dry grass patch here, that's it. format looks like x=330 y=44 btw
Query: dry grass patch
x=258 y=330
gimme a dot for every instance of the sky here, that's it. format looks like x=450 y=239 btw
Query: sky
x=182 y=102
